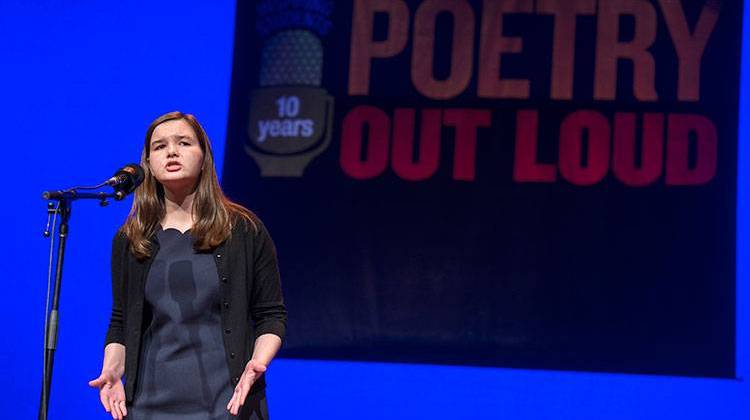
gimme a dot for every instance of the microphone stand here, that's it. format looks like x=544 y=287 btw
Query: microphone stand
x=65 y=200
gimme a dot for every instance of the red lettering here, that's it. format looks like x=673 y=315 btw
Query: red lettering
x=466 y=122
x=679 y=128
x=375 y=159
x=526 y=168
x=572 y=132
x=426 y=163
x=652 y=149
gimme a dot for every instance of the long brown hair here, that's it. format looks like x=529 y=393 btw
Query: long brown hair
x=213 y=212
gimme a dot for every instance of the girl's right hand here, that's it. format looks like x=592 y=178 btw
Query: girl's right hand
x=111 y=393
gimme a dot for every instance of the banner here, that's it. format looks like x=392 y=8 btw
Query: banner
x=542 y=184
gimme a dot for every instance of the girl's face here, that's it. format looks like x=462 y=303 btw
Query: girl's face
x=175 y=155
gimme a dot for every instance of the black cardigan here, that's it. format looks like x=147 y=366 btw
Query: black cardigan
x=251 y=298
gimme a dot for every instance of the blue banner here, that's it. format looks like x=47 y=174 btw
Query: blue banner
x=538 y=184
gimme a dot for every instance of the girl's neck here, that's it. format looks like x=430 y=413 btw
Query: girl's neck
x=178 y=210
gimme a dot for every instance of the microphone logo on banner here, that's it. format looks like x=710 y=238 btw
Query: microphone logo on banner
x=291 y=114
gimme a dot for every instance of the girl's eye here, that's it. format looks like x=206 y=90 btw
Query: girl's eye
x=185 y=143
x=158 y=146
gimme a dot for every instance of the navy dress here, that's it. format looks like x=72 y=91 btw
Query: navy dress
x=183 y=371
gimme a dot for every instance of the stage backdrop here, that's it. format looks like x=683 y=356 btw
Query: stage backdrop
x=538 y=184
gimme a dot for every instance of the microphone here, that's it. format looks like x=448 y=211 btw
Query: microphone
x=290 y=87
x=126 y=180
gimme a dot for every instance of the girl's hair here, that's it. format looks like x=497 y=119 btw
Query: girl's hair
x=213 y=212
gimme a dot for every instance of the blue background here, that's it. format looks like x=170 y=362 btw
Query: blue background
x=81 y=80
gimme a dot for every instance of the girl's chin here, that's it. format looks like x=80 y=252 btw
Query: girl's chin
x=174 y=176
x=177 y=182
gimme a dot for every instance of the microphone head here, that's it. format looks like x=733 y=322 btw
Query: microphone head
x=130 y=177
x=136 y=171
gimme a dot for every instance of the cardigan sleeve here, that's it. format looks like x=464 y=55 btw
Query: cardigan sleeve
x=267 y=307
x=116 y=331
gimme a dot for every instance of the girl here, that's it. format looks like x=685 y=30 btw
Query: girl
x=197 y=307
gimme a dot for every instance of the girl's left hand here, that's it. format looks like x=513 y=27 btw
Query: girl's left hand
x=252 y=372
